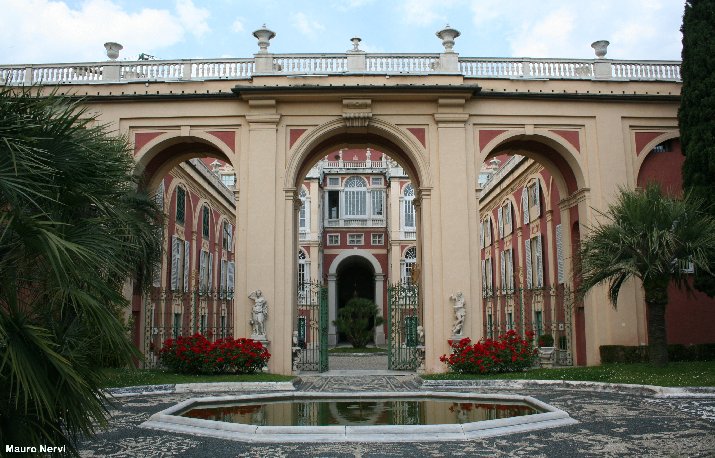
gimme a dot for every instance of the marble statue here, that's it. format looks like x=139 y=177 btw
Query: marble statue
x=459 y=313
x=259 y=313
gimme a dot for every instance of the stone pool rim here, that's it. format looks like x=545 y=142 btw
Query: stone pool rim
x=168 y=420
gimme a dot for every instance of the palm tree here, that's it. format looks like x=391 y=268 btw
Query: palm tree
x=74 y=227
x=649 y=236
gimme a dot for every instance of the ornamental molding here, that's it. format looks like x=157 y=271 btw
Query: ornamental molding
x=357 y=112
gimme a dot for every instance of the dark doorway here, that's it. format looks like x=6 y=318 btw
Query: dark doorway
x=356 y=278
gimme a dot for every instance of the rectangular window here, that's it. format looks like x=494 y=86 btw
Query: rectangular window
x=333 y=181
x=333 y=204
x=228 y=180
x=223 y=279
x=356 y=239
x=355 y=203
x=333 y=239
x=409 y=214
x=378 y=239
x=301 y=217
x=204 y=271
x=378 y=199
x=180 y=205
x=205 y=222
x=376 y=181
x=227 y=237
x=176 y=331
x=202 y=324
x=538 y=323
x=223 y=326
x=179 y=263
x=509 y=321
x=490 y=323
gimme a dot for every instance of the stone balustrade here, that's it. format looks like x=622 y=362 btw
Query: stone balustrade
x=338 y=64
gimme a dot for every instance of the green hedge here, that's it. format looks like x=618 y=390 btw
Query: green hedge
x=639 y=354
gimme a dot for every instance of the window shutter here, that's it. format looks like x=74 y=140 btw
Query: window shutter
x=525 y=204
x=187 y=265
x=229 y=277
x=502 y=267
x=500 y=219
x=527 y=253
x=175 y=243
x=510 y=278
x=230 y=237
x=559 y=255
x=539 y=263
x=211 y=270
x=481 y=235
x=202 y=270
x=484 y=277
x=537 y=204
x=222 y=280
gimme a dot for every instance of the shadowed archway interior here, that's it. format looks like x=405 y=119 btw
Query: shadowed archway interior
x=356 y=278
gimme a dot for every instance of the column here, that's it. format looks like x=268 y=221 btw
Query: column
x=379 y=294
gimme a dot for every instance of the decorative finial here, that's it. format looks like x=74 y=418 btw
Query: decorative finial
x=601 y=48
x=113 y=49
x=356 y=44
x=264 y=36
x=447 y=35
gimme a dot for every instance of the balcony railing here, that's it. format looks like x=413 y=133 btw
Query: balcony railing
x=355 y=222
x=354 y=165
x=337 y=64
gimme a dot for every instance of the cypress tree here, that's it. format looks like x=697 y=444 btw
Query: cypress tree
x=697 y=111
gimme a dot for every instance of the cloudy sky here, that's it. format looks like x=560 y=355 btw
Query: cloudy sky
x=43 y=31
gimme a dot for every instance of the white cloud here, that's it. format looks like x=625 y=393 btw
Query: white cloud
x=550 y=36
x=50 y=31
x=237 y=25
x=306 y=25
x=427 y=12
x=193 y=18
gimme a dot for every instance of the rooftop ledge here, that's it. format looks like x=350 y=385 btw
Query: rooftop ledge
x=295 y=65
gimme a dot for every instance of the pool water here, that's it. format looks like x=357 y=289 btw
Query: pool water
x=356 y=412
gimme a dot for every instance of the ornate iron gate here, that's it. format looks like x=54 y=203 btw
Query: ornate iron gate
x=170 y=314
x=544 y=311
x=404 y=323
x=313 y=327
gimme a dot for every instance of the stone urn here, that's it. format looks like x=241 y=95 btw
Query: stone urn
x=600 y=47
x=264 y=36
x=447 y=35
x=113 y=49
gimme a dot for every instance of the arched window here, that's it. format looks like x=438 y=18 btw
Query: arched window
x=303 y=276
x=355 y=196
x=304 y=214
x=408 y=208
x=180 y=204
x=408 y=263
x=205 y=222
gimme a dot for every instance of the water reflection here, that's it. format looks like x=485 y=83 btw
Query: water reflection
x=352 y=412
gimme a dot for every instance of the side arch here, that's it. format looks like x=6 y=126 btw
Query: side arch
x=546 y=148
x=155 y=159
x=643 y=153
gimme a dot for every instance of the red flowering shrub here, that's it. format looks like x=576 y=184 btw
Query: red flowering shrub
x=507 y=353
x=197 y=355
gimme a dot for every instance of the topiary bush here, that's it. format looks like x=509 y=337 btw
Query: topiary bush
x=357 y=320
x=197 y=355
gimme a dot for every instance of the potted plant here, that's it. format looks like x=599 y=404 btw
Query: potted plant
x=546 y=350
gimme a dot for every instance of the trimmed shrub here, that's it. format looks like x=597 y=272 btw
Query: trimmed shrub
x=507 y=353
x=639 y=354
x=197 y=355
x=357 y=320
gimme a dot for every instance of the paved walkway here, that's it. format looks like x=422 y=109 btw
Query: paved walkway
x=611 y=423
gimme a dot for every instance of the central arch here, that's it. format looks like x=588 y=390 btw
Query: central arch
x=361 y=258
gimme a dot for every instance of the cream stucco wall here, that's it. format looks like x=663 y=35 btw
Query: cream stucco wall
x=359 y=110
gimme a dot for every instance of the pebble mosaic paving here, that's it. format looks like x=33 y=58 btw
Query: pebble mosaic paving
x=611 y=424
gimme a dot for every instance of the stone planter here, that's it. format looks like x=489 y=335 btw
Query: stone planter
x=546 y=357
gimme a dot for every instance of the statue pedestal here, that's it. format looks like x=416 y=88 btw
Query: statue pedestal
x=266 y=343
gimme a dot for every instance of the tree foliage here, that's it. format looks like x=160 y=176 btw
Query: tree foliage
x=357 y=320
x=74 y=226
x=649 y=236
x=697 y=111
